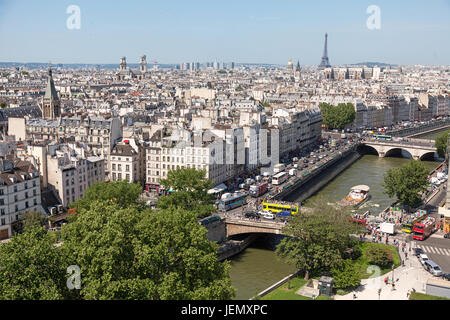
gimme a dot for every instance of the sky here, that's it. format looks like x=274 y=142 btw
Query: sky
x=243 y=31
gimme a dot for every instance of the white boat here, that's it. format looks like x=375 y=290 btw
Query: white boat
x=357 y=195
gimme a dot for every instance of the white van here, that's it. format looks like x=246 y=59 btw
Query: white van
x=267 y=215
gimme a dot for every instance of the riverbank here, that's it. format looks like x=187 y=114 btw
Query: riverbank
x=304 y=189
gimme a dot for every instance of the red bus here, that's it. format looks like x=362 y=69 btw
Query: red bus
x=424 y=229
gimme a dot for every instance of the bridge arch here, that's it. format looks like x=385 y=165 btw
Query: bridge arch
x=366 y=149
x=428 y=156
x=398 y=152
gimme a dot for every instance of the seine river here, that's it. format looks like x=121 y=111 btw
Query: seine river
x=258 y=267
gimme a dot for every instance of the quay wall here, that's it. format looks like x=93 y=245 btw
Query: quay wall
x=303 y=189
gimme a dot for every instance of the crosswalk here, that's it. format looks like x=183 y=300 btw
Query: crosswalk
x=435 y=250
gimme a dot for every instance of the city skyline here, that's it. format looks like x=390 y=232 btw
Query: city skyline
x=251 y=32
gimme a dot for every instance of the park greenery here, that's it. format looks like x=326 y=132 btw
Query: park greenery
x=380 y=256
x=337 y=117
x=320 y=238
x=123 y=249
x=407 y=183
x=441 y=144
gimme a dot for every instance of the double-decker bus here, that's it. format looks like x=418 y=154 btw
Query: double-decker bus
x=278 y=206
x=424 y=229
x=418 y=216
x=230 y=201
x=279 y=178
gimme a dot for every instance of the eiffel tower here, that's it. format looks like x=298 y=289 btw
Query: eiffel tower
x=325 y=63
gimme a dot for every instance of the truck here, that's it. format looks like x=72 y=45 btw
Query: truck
x=292 y=172
x=279 y=168
x=387 y=227
x=258 y=190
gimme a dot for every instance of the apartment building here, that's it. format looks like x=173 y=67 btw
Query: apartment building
x=20 y=192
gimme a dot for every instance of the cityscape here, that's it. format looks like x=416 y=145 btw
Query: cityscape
x=217 y=177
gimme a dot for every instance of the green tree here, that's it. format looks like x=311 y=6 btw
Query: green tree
x=33 y=219
x=190 y=188
x=406 y=183
x=379 y=256
x=239 y=88
x=346 y=275
x=32 y=268
x=125 y=253
x=441 y=144
x=337 y=117
x=122 y=193
x=319 y=238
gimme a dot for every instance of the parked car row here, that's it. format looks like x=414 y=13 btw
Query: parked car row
x=430 y=265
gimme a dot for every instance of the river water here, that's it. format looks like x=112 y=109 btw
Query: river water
x=257 y=268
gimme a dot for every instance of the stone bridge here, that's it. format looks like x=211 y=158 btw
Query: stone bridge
x=236 y=226
x=417 y=148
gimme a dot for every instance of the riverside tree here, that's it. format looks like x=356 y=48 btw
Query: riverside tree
x=190 y=188
x=441 y=144
x=406 y=183
x=318 y=238
x=337 y=117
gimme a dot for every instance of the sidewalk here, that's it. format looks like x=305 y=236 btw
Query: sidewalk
x=412 y=275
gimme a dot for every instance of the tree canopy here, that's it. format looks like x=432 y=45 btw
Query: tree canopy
x=190 y=188
x=346 y=275
x=122 y=193
x=337 y=117
x=319 y=238
x=406 y=183
x=31 y=267
x=123 y=250
x=441 y=144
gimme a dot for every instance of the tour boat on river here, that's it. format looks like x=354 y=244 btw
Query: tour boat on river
x=356 y=196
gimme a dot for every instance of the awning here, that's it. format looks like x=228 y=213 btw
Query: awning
x=217 y=189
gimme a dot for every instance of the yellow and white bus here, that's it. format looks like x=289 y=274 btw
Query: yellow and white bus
x=278 y=206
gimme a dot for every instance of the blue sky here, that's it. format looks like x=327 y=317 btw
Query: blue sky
x=169 y=31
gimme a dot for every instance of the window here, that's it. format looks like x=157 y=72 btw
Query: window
x=16 y=199
x=127 y=168
x=3 y=221
x=2 y=212
x=17 y=208
x=35 y=202
x=15 y=188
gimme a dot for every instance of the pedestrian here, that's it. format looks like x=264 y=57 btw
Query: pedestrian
x=354 y=295
x=386 y=280
x=406 y=255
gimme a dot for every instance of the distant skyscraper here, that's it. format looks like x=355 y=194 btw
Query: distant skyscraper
x=325 y=63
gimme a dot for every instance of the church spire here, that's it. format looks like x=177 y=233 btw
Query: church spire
x=51 y=107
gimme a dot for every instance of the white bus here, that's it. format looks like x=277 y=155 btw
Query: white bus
x=279 y=178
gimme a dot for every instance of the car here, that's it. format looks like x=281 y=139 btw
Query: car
x=446 y=276
x=447 y=235
x=423 y=258
x=251 y=215
x=417 y=252
x=267 y=215
x=433 y=268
